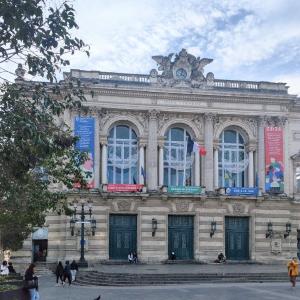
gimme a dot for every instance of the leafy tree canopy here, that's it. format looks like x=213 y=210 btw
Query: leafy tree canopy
x=37 y=155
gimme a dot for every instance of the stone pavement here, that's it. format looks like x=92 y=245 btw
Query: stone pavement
x=201 y=291
x=205 y=291
x=190 y=268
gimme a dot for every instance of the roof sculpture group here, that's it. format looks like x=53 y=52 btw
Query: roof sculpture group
x=184 y=71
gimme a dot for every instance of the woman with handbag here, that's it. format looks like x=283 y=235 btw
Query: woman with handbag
x=31 y=283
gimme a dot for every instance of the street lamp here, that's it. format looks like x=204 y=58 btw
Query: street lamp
x=82 y=262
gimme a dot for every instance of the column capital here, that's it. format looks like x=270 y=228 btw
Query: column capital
x=161 y=141
x=103 y=140
x=142 y=143
x=216 y=144
x=153 y=114
x=262 y=120
x=210 y=117
x=251 y=148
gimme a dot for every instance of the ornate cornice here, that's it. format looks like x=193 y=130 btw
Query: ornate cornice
x=199 y=95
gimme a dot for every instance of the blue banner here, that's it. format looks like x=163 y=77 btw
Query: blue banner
x=240 y=191
x=85 y=130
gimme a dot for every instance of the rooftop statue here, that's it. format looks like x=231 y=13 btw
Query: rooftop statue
x=184 y=71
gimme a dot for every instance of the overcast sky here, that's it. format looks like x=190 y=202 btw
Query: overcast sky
x=255 y=40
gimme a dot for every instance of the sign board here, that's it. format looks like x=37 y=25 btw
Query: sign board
x=274 y=177
x=240 y=191
x=124 y=187
x=85 y=130
x=276 y=246
x=184 y=189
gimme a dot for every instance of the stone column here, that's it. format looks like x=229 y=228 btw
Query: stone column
x=104 y=160
x=261 y=153
x=209 y=162
x=152 y=151
x=216 y=166
x=141 y=162
x=197 y=168
x=161 y=163
x=251 y=167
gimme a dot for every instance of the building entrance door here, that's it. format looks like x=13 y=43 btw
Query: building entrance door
x=40 y=248
x=181 y=236
x=122 y=235
x=237 y=238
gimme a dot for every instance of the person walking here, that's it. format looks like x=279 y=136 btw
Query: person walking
x=31 y=283
x=67 y=273
x=74 y=270
x=293 y=270
x=59 y=272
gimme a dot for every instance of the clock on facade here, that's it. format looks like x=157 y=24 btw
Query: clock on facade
x=181 y=73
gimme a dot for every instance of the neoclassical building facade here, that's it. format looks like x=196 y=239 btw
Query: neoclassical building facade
x=183 y=162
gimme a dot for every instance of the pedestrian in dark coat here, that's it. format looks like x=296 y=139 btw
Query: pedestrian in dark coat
x=74 y=270
x=59 y=272
x=67 y=273
x=31 y=283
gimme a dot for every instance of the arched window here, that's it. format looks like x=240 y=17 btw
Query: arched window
x=233 y=159
x=122 y=155
x=177 y=158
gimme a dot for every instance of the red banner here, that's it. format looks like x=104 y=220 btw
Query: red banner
x=124 y=187
x=274 y=159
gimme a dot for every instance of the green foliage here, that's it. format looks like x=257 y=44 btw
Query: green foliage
x=37 y=155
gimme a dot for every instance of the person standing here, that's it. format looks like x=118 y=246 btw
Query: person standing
x=74 y=270
x=59 y=272
x=293 y=270
x=31 y=283
x=67 y=273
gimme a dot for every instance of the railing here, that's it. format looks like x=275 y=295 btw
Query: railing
x=236 y=84
x=145 y=79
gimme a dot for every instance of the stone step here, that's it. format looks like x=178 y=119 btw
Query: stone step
x=119 y=279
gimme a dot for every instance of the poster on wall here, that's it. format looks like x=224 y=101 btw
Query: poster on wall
x=274 y=178
x=85 y=130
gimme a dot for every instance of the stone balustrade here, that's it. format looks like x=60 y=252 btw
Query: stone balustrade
x=218 y=84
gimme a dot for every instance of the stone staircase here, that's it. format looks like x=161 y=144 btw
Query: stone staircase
x=95 y=278
x=42 y=269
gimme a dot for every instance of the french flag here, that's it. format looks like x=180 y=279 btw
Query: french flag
x=193 y=146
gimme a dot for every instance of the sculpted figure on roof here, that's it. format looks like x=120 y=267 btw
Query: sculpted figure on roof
x=185 y=70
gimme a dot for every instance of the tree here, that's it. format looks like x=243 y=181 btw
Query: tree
x=37 y=154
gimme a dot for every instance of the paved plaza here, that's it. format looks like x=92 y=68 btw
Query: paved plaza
x=202 y=291
x=220 y=291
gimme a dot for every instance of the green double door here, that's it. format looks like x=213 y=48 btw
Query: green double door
x=122 y=235
x=237 y=238
x=181 y=236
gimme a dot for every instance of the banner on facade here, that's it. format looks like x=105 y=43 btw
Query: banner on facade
x=241 y=191
x=274 y=177
x=184 y=189
x=85 y=130
x=124 y=187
